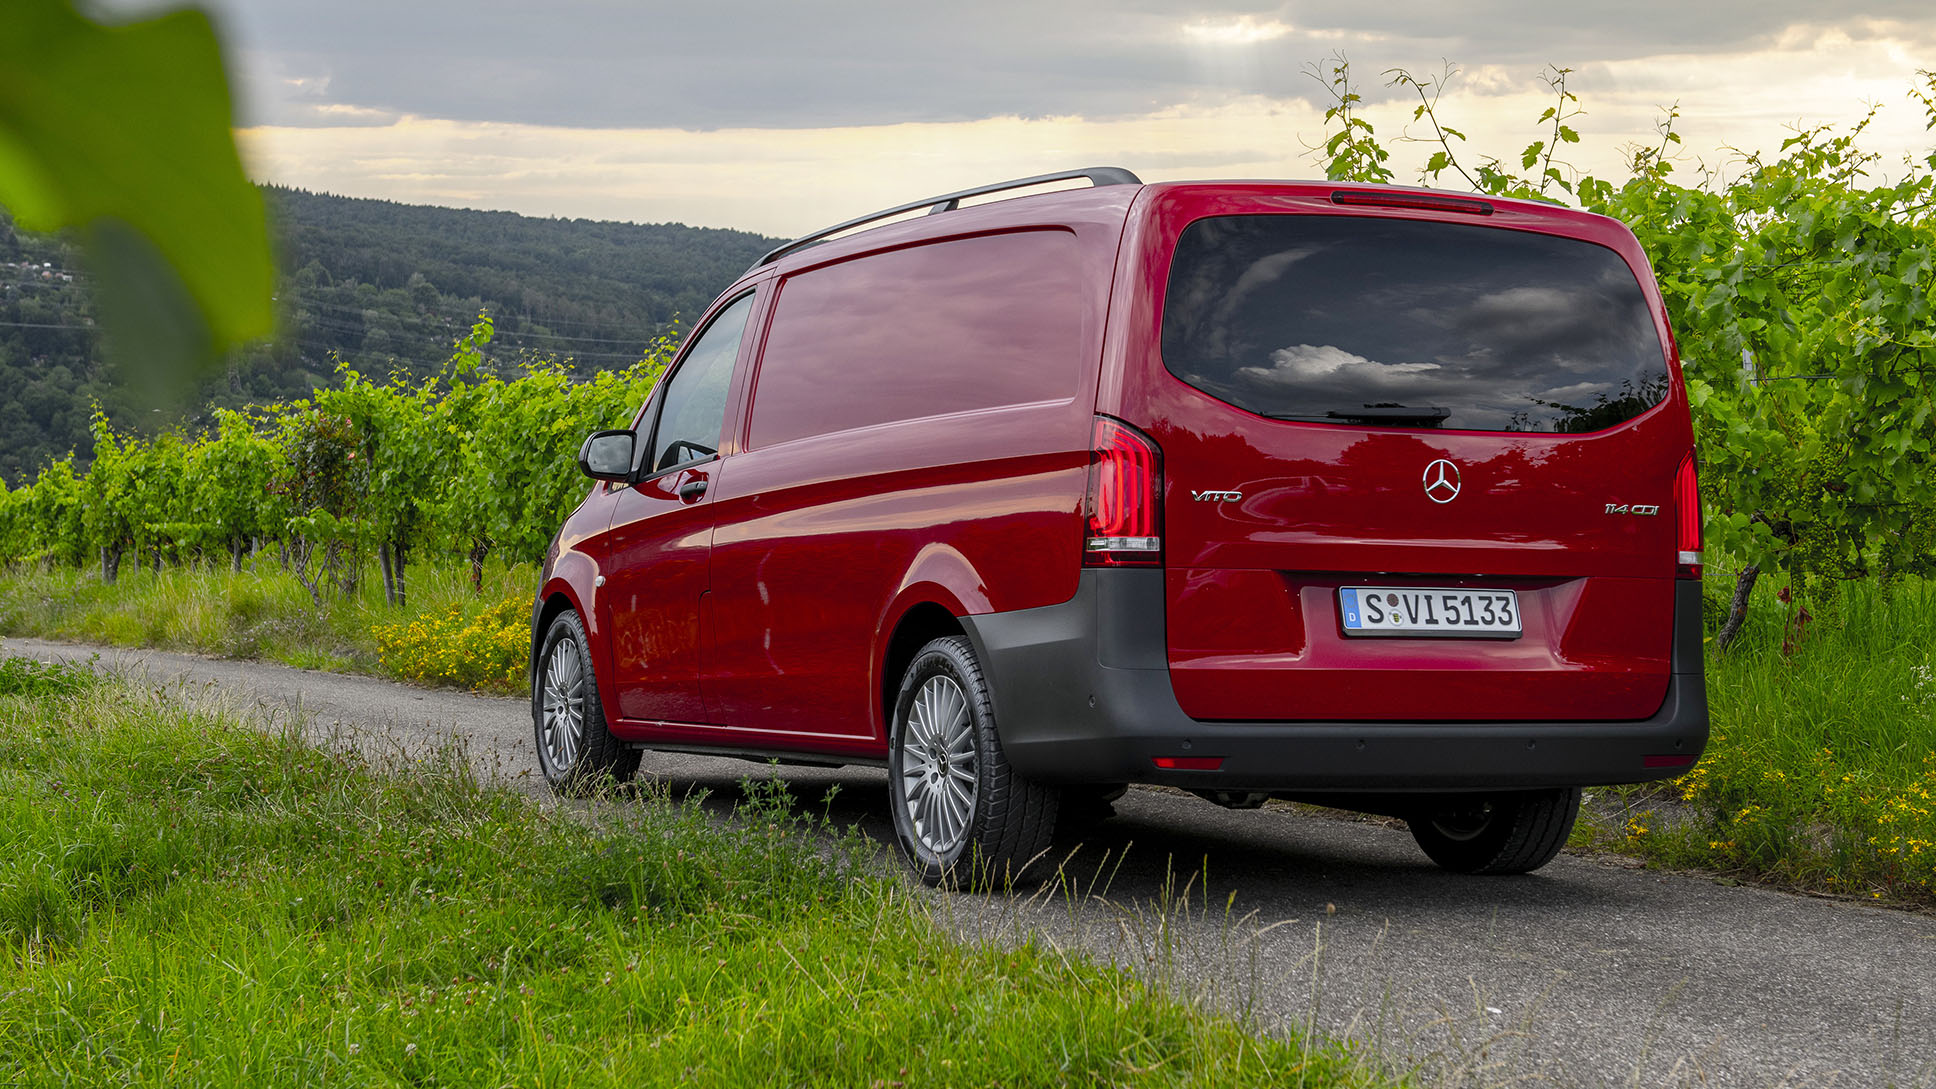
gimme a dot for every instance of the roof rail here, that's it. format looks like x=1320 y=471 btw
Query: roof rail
x=948 y=202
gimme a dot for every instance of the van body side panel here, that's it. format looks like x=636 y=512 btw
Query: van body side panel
x=814 y=539
x=931 y=399
x=1265 y=519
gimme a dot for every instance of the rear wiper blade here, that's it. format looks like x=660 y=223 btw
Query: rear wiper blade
x=1423 y=414
x=1430 y=414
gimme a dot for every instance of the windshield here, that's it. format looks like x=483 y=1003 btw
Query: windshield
x=1404 y=323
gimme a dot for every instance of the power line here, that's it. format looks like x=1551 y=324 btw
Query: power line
x=464 y=319
x=439 y=322
x=48 y=325
x=467 y=317
x=321 y=324
x=430 y=321
x=299 y=341
x=322 y=347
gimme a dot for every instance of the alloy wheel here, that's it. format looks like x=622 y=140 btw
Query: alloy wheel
x=563 y=705
x=938 y=766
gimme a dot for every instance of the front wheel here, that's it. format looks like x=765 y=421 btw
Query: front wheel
x=961 y=814
x=1495 y=833
x=576 y=752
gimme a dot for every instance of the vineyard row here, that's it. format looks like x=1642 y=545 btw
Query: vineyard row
x=461 y=465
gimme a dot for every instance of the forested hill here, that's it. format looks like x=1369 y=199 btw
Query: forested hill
x=385 y=286
x=593 y=289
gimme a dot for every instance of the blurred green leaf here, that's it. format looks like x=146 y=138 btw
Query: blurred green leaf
x=123 y=133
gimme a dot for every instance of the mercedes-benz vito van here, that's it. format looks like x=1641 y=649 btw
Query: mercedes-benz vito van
x=1373 y=497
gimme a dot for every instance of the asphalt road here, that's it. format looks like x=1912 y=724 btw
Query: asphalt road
x=1590 y=972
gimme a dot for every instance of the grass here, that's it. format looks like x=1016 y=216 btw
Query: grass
x=188 y=899
x=1822 y=770
x=265 y=613
x=1821 y=774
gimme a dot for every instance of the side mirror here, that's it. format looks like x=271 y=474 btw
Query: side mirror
x=607 y=455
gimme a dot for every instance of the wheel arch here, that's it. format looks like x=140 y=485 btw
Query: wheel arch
x=920 y=623
x=550 y=607
x=940 y=587
x=558 y=597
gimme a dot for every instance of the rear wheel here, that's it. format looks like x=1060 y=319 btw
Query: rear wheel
x=576 y=752
x=1496 y=833
x=961 y=814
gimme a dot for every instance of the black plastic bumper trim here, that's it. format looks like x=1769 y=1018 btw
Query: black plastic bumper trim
x=1082 y=694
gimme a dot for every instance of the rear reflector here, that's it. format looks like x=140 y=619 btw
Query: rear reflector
x=1193 y=763
x=1430 y=202
x=1123 y=514
x=1666 y=760
x=1687 y=519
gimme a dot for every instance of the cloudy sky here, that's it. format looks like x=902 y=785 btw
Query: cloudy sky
x=782 y=115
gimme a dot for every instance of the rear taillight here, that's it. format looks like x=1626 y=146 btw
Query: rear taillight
x=1123 y=514
x=1687 y=520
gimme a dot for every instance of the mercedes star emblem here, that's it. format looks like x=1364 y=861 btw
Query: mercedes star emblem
x=1442 y=481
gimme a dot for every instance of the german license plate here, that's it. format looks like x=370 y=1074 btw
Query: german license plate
x=1428 y=610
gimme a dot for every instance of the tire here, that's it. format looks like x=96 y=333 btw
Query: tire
x=1496 y=833
x=576 y=752
x=962 y=816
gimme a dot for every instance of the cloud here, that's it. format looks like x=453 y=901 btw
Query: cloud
x=1307 y=363
x=1243 y=30
x=1579 y=394
x=781 y=117
x=328 y=114
x=782 y=64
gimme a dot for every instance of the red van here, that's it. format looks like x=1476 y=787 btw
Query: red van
x=1372 y=497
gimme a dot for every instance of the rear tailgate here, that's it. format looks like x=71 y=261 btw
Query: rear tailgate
x=1381 y=398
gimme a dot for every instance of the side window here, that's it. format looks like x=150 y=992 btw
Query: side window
x=694 y=407
x=951 y=326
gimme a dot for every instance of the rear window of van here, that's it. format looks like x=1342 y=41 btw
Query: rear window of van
x=1392 y=322
x=952 y=326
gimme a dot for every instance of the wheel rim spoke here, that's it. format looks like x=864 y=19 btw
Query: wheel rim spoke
x=924 y=812
x=938 y=765
x=563 y=706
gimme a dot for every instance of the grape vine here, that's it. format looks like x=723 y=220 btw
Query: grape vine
x=466 y=464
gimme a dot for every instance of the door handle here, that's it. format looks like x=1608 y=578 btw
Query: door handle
x=692 y=489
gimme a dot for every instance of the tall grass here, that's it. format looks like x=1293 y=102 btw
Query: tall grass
x=1822 y=769
x=264 y=612
x=185 y=899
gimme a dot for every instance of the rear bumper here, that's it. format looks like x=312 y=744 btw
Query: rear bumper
x=1082 y=694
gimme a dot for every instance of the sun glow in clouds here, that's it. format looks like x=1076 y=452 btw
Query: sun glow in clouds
x=786 y=181
x=1243 y=30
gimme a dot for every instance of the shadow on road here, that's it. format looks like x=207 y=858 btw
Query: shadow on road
x=1274 y=860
